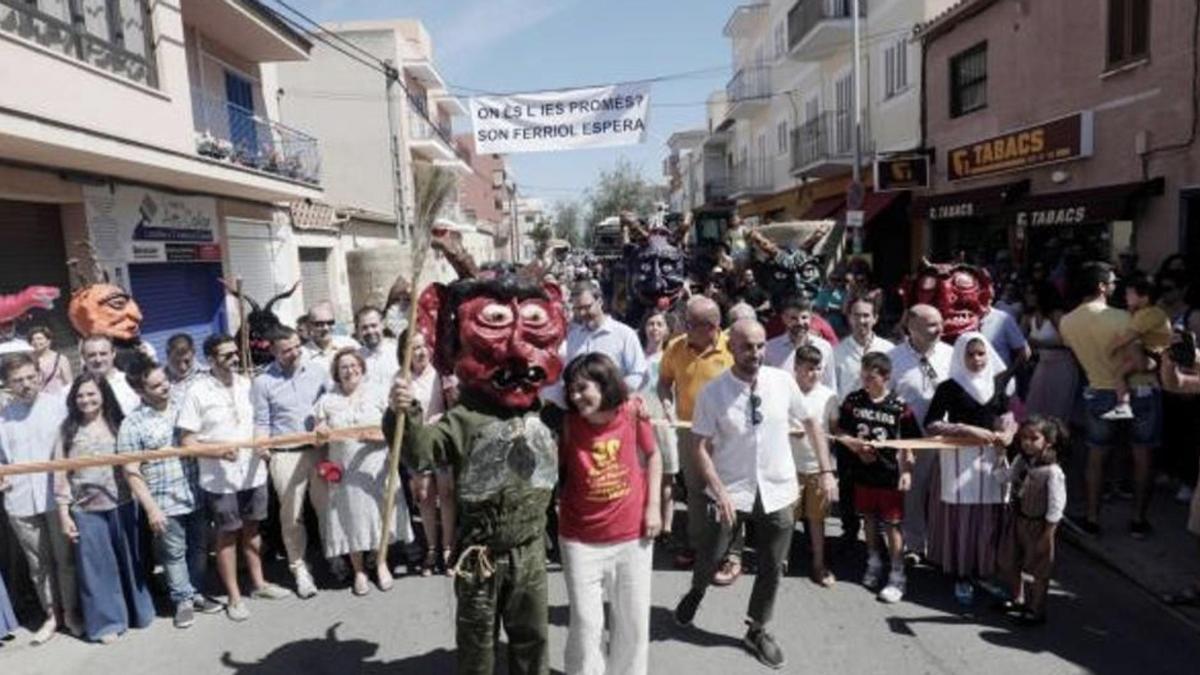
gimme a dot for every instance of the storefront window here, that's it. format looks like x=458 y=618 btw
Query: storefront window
x=968 y=80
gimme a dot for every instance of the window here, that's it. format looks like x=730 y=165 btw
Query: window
x=780 y=38
x=112 y=35
x=968 y=80
x=843 y=91
x=1128 y=31
x=781 y=137
x=895 y=68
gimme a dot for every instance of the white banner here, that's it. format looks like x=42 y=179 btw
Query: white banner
x=595 y=117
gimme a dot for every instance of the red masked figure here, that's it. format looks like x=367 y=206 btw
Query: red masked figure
x=961 y=292
x=499 y=337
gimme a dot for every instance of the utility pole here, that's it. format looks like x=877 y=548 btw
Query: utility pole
x=516 y=226
x=392 y=77
x=854 y=198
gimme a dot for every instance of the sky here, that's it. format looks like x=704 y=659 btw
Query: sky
x=529 y=45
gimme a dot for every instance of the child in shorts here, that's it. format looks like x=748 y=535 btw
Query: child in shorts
x=820 y=404
x=868 y=418
x=1141 y=346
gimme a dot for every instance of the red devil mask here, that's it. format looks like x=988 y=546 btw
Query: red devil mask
x=962 y=293
x=499 y=337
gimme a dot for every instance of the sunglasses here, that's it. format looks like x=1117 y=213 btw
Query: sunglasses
x=756 y=416
x=327 y=324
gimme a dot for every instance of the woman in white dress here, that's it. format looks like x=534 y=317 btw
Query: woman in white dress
x=1054 y=387
x=354 y=521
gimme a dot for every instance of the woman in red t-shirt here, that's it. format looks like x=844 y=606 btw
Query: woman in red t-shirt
x=608 y=517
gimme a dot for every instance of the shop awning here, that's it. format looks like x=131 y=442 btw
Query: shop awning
x=969 y=203
x=1099 y=204
x=874 y=203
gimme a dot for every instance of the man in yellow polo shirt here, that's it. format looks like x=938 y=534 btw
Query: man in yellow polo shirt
x=690 y=362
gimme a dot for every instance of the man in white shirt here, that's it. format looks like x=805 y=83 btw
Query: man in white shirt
x=217 y=409
x=29 y=426
x=847 y=355
x=797 y=314
x=378 y=351
x=743 y=419
x=919 y=365
x=99 y=358
x=324 y=343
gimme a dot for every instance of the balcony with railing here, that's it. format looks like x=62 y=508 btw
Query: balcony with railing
x=824 y=146
x=230 y=133
x=751 y=178
x=431 y=141
x=746 y=19
x=717 y=189
x=106 y=34
x=818 y=28
x=748 y=91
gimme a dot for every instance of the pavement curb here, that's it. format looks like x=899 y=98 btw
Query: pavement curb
x=1084 y=543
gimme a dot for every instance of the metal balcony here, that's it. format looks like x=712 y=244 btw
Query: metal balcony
x=228 y=132
x=751 y=178
x=824 y=146
x=818 y=28
x=746 y=19
x=717 y=189
x=749 y=91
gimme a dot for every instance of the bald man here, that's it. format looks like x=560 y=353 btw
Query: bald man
x=689 y=363
x=919 y=365
x=742 y=420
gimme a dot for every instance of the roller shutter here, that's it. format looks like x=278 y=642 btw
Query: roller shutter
x=178 y=298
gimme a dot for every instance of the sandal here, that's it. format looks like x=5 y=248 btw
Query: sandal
x=447 y=561
x=1187 y=597
x=428 y=564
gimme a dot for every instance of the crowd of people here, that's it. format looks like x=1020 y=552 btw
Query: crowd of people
x=697 y=405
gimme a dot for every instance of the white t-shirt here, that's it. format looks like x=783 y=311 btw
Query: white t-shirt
x=914 y=382
x=323 y=358
x=127 y=398
x=821 y=406
x=752 y=458
x=382 y=363
x=216 y=413
x=780 y=352
x=847 y=362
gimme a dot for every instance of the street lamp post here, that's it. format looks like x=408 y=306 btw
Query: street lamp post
x=855 y=196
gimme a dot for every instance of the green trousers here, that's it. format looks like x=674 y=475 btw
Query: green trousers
x=515 y=596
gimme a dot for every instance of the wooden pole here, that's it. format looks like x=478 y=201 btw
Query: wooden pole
x=244 y=343
x=393 y=476
x=216 y=450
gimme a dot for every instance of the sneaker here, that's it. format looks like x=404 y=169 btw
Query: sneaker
x=1140 y=529
x=871 y=578
x=270 y=591
x=894 y=591
x=762 y=645
x=1184 y=494
x=685 y=611
x=108 y=638
x=964 y=592
x=305 y=587
x=237 y=611
x=1123 y=411
x=46 y=632
x=185 y=614
x=206 y=605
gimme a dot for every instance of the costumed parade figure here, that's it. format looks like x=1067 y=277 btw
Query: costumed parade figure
x=783 y=261
x=17 y=305
x=655 y=272
x=98 y=307
x=961 y=292
x=500 y=337
x=261 y=322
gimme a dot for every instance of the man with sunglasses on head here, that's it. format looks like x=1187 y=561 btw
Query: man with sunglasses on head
x=919 y=365
x=743 y=420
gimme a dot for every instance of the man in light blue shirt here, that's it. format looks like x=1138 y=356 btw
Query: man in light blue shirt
x=283 y=398
x=1002 y=330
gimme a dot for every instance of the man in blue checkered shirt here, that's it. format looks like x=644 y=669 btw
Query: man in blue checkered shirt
x=168 y=491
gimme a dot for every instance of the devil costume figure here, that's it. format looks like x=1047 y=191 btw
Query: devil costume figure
x=656 y=274
x=262 y=322
x=961 y=292
x=500 y=337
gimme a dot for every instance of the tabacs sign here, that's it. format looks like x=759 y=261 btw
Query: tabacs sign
x=902 y=173
x=1059 y=140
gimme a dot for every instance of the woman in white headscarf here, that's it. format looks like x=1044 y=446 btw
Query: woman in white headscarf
x=965 y=523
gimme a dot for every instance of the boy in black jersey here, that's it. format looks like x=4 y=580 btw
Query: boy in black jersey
x=881 y=475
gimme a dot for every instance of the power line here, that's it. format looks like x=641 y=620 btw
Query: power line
x=687 y=74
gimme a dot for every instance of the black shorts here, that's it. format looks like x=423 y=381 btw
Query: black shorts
x=231 y=511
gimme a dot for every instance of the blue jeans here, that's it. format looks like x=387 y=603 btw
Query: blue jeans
x=1145 y=427
x=181 y=551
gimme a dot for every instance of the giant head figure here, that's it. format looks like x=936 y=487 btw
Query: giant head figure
x=658 y=272
x=498 y=336
x=961 y=292
x=790 y=269
x=105 y=309
x=261 y=321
